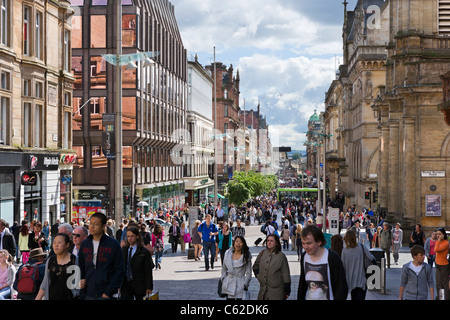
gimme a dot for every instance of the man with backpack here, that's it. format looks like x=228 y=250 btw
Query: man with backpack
x=29 y=276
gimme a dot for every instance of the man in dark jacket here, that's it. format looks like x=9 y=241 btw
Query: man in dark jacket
x=101 y=262
x=138 y=280
x=7 y=239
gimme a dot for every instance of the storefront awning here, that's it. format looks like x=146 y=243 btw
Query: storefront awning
x=218 y=196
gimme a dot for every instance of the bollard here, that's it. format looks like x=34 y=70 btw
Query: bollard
x=441 y=294
x=383 y=276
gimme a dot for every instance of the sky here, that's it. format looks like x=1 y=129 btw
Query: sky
x=287 y=53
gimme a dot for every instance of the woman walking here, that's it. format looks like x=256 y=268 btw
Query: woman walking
x=54 y=285
x=271 y=268
x=225 y=240
x=353 y=257
x=23 y=242
x=196 y=241
x=442 y=265
x=237 y=270
x=158 y=244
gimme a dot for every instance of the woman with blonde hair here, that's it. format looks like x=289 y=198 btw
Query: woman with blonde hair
x=298 y=240
x=7 y=275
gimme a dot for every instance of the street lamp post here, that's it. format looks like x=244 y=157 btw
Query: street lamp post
x=118 y=197
x=215 y=127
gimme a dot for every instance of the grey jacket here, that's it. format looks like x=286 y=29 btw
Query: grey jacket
x=235 y=275
x=416 y=286
x=274 y=277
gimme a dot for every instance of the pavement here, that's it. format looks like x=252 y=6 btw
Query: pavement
x=181 y=278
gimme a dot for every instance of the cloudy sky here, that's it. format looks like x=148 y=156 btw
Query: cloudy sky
x=286 y=52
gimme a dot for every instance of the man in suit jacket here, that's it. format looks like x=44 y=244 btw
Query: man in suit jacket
x=174 y=233
x=7 y=239
x=138 y=280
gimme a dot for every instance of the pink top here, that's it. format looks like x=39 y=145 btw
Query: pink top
x=3 y=277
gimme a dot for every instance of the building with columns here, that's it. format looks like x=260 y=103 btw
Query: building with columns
x=414 y=183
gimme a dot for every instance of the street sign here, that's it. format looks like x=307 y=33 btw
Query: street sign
x=333 y=220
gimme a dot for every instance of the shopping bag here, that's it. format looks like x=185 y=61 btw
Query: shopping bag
x=152 y=296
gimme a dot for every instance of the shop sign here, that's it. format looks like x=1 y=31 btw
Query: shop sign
x=41 y=162
x=28 y=179
x=68 y=159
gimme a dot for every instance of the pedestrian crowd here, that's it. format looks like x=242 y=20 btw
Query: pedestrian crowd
x=95 y=260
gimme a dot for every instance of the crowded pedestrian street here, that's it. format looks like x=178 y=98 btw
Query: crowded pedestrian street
x=181 y=278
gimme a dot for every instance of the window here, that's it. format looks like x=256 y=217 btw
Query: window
x=66 y=50
x=39 y=90
x=444 y=17
x=77 y=31
x=5 y=22
x=98 y=73
x=26 y=124
x=77 y=70
x=66 y=130
x=26 y=30
x=26 y=87
x=225 y=110
x=5 y=80
x=67 y=99
x=38 y=126
x=4 y=123
x=129 y=30
x=38 y=35
x=98 y=31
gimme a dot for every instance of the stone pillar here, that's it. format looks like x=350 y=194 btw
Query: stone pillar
x=393 y=182
x=409 y=190
x=383 y=191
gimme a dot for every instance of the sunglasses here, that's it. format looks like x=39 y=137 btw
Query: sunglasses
x=76 y=235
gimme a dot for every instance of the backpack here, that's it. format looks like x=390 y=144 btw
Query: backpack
x=159 y=244
x=28 y=278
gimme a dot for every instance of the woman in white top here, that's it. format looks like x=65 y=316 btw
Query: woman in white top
x=237 y=270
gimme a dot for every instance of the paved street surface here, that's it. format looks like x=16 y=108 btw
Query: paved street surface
x=181 y=278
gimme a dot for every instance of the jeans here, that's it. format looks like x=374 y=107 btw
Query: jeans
x=396 y=251
x=209 y=248
x=358 y=294
x=158 y=257
x=285 y=244
x=5 y=293
x=431 y=260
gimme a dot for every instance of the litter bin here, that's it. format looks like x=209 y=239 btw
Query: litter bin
x=328 y=240
x=378 y=255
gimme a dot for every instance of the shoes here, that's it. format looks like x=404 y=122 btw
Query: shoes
x=159 y=266
x=206 y=269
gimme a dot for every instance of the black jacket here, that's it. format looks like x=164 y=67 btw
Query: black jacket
x=141 y=270
x=9 y=243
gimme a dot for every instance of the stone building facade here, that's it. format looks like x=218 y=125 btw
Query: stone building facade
x=414 y=183
x=36 y=110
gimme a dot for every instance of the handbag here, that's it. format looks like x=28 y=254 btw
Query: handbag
x=219 y=289
x=187 y=238
x=366 y=262
x=152 y=296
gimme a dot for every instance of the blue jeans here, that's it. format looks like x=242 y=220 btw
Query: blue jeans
x=158 y=257
x=209 y=248
x=5 y=293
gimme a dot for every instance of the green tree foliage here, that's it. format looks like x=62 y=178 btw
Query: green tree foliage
x=255 y=183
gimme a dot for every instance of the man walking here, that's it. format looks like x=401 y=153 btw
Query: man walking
x=397 y=235
x=101 y=262
x=7 y=240
x=386 y=242
x=208 y=232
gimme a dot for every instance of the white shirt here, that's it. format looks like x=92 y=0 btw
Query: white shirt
x=95 y=243
x=317 y=275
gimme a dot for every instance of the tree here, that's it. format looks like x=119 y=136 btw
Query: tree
x=237 y=192
x=256 y=183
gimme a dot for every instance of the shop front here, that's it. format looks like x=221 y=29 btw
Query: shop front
x=40 y=178
x=170 y=195
x=10 y=163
